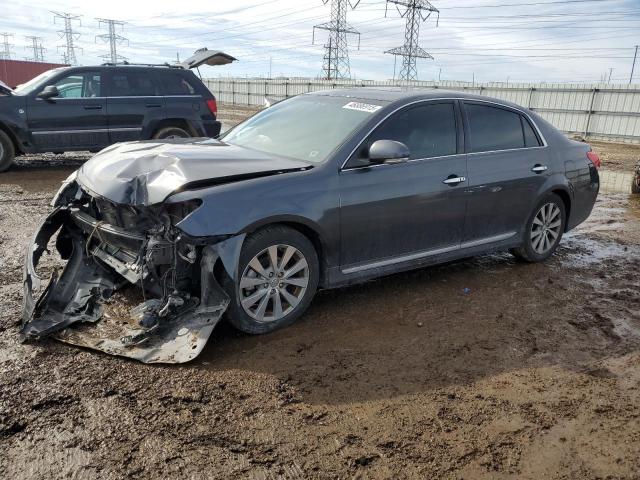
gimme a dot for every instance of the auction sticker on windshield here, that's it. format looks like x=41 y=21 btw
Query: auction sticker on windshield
x=363 y=107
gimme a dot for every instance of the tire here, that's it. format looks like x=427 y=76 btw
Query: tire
x=171 y=132
x=251 y=285
x=532 y=250
x=7 y=151
x=635 y=183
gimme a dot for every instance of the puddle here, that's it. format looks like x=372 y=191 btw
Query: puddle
x=45 y=179
x=580 y=251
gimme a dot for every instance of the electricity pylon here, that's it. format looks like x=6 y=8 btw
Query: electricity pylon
x=415 y=11
x=69 y=53
x=335 y=64
x=37 y=48
x=5 y=53
x=112 y=38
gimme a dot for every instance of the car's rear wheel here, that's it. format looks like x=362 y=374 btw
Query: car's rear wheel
x=543 y=231
x=277 y=278
x=171 y=132
x=635 y=183
x=7 y=151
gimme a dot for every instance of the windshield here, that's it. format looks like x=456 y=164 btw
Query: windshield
x=307 y=127
x=34 y=83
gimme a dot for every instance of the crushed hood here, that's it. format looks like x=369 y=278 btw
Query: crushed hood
x=146 y=173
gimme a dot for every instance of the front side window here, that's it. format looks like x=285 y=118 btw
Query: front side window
x=494 y=128
x=428 y=130
x=79 y=85
x=132 y=84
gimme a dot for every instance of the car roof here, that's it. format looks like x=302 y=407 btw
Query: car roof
x=393 y=94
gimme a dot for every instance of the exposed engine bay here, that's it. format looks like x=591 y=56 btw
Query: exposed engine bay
x=108 y=247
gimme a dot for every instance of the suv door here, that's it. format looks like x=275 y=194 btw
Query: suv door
x=134 y=102
x=391 y=213
x=507 y=166
x=74 y=120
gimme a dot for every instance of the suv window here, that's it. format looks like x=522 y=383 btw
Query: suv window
x=429 y=130
x=174 y=83
x=79 y=85
x=132 y=84
x=494 y=128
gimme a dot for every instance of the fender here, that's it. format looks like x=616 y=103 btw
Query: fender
x=16 y=131
x=247 y=205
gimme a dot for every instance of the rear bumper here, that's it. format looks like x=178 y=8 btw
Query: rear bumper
x=212 y=128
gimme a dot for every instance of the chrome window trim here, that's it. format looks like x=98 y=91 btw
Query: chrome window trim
x=403 y=163
x=82 y=99
x=428 y=253
x=120 y=97
x=491 y=102
x=521 y=112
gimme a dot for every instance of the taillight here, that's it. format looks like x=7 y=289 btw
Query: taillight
x=595 y=159
x=213 y=106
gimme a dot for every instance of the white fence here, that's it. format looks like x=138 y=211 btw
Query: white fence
x=599 y=111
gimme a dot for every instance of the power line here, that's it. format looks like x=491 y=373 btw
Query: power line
x=414 y=12
x=335 y=64
x=112 y=38
x=6 y=52
x=37 y=48
x=69 y=55
x=633 y=65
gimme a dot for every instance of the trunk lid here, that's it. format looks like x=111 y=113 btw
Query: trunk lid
x=203 y=56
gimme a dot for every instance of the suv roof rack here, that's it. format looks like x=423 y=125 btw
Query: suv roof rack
x=125 y=63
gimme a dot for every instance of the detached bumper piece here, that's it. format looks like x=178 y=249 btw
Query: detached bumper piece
x=170 y=325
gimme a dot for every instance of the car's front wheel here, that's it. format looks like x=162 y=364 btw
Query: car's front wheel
x=7 y=151
x=543 y=231
x=277 y=278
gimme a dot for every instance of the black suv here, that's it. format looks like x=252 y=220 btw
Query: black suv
x=89 y=108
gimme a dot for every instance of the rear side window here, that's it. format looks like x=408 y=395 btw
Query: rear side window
x=132 y=84
x=530 y=137
x=428 y=130
x=494 y=128
x=174 y=83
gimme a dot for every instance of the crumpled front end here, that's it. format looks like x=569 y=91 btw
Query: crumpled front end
x=117 y=251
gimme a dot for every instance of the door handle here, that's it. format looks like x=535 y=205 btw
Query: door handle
x=453 y=180
x=153 y=105
x=93 y=107
x=537 y=168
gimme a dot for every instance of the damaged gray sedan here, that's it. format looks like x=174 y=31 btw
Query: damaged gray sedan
x=321 y=190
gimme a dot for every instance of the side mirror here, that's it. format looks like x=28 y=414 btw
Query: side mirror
x=388 y=151
x=50 y=91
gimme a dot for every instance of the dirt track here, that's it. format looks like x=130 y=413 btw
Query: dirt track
x=484 y=368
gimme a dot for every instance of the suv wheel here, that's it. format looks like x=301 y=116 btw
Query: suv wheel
x=543 y=230
x=277 y=278
x=7 y=151
x=171 y=132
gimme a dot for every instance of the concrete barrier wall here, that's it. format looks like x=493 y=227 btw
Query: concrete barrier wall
x=598 y=111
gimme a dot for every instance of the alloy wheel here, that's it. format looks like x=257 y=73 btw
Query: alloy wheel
x=273 y=283
x=546 y=228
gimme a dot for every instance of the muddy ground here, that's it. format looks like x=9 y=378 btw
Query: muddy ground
x=484 y=368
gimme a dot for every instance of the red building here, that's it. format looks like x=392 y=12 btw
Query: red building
x=15 y=72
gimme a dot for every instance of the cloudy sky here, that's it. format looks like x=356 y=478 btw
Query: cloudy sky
x=485 y=40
